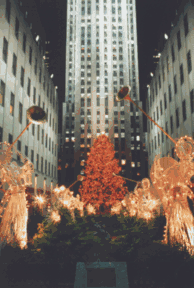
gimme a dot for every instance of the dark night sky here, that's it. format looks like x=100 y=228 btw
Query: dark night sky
x=153 y=19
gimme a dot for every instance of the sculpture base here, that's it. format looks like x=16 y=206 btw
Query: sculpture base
x=101 y=274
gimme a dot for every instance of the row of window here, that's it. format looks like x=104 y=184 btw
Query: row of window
x=12 y=101
x=177 y=110
x=189 y=62
x=189 y=67
x=38 y=138
x=22 y=75
x=10 y=140
x=171 y=122
x=97 y=9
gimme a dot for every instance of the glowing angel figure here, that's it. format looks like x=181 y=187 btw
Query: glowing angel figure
x=14 y=211
x=171 y=179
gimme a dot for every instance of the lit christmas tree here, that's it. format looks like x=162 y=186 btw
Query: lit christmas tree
x=100 y=188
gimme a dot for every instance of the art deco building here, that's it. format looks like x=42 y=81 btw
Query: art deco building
x=170 y=99
x=25 y=82
x=102 y=57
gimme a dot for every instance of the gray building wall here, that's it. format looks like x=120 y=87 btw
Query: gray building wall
x=30 y=24
x=184 y=91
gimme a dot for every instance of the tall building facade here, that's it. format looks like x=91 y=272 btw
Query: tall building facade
x=102 y=57
x=25 y=82
x=170 y=100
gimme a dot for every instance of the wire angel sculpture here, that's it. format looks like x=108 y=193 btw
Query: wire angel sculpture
x=171 y=181
x=14 y=213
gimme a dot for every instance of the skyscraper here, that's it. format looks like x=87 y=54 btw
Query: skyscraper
x=102 y=57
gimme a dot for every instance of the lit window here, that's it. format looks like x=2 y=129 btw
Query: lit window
x=132 y=164
x=66 y=139
x=138 y=138
x=123 y=162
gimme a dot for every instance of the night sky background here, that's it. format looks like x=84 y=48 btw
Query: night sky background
x=154 y=18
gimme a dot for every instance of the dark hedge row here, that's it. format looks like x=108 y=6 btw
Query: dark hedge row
x=54 y=256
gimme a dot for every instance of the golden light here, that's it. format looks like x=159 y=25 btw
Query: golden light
x=55 y=217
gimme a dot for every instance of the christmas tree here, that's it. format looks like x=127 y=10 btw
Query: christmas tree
x=100 y=188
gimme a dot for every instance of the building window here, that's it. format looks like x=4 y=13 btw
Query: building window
x=27 y=121
x=161 y=112
x=158 y=138
x=29 y=85
x=20 y=112
x=35 y=67
x=42 y=136
x=171 y=124
x=38 y=133
x=167 y=62
x=48 y=90
x=26 y=151
x=39 y=101
x=52 y=171
x=22 y=77
x=179 y=40
x=177 y=117
x=175 y=85
x=34 y=96
x=52 y=147
x=14 y=65
x=157 y=113
x=156 y=85
x=192 y=100
x=33 y=129
x=181 y=73
x=184 y=110
x=172 y=52
x=10 y=139
x=166 y=129
x=32 y=156
x=49 y=168
x=159 y=82
x=12 y=104
x=37 y=161
x=165 y=102
x=169 y=91
x=82 y=102
x=46 y=140
x=40 y=75
x=24 y=43
x=55 y=149
x=163 y=73
x=42 y=164
x=162 y=136
x=49 y=144
x=5 y=49
x=30 y=56
x=19 y=145
x=46 y=167
x=53 y=124
x=16 y=28
x=50 y=120
x=186 y=27
x=44 y=82
x=189 y=65
x=8 y=10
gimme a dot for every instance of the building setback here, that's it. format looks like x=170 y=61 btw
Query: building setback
x=25 y=82
x=170 y=100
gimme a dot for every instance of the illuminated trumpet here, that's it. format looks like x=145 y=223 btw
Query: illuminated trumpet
x=124 y=94
x=36 y=115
